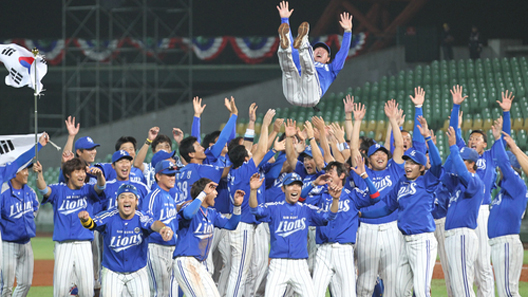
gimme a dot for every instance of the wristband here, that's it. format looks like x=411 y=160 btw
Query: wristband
x=310 y=139
x=148 y=142
x=88 y=224
x=363 y=174
x=237 y=210
x=44 y=191
x=249 y=133
x=250 y=139
x=201 y=196
x=428 y=138
x=418 y=106
x=341 y=147
x=101 y=188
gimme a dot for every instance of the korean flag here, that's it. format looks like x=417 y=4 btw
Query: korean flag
x=20 y=64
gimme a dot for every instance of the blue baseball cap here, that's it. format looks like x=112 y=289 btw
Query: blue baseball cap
x=127 y=188
x=323 y=45
x=291 y=178
x=166 y=167
x=160 y=156
x=308 y=151
x=513 y=160
x=121 y=154
x=85 y=143
x=469 y=154
x=416 y=156
x=376 y=147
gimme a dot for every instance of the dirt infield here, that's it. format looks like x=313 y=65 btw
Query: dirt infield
x=43 y=275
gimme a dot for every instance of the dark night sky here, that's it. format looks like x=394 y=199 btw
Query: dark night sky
x=505 y=18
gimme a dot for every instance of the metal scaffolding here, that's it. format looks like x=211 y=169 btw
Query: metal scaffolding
x=100 y=87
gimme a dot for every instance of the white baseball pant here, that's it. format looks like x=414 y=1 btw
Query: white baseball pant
x=483 y=271
x=416 y=265
x=258 y=269
x=300 y=90
x=440 y=239
x=379 y=248
x=159 y=266
x=334 y=265
x=224 y=249
x=210 y=261
x=97 y=254
x=193 y=278
x=507 y=256
x=462 y=248
x=114 y=283
x=17 y=261
x=294 y=272
x=72 y=262
x=242 y=242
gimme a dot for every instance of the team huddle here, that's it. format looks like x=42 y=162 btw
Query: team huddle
x=307 y=209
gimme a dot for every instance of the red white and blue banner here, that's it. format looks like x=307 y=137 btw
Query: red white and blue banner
x=251 y=50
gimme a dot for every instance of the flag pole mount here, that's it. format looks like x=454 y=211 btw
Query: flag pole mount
x=35 y=52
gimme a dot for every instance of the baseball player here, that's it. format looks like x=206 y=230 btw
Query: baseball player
x=412 y=196
x=125 y=232
x=242 y=239
x=379 y=242
x=160 y=205
x=128 y=144
x=306 y=71
x=506 y=213
x=289 y=221
x=73 y=248
x=18 y=208
x=486 y=171
x=466 y=193
x=335 y=241
x=197 y=221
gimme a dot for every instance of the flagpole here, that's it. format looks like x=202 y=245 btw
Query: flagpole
x=35 y=52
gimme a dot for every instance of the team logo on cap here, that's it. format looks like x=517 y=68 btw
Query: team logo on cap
x=413 y=153
x=377 y=145
x=122 y=153
x=89 y=139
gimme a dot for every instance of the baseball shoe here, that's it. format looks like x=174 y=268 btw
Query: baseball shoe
x=284 y=30
x=303 y=31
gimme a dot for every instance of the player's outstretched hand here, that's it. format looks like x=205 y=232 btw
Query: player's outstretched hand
x=284 y=10
x=166 y=233
x=198 y=107
x=255 y=182
x=335 y=191
x=309 y=129
x=279 y=146
x=360 y=169
x=277 y=124
x=44 y=139
x=359 y=111
x=345 y=20
x=239 y=197
x=83 y=215
x=153 y=133
x=456 y=92
x=253 y=112
x=177 y=134
x=496 y=129
x=71 y=127
x=391 y=109
x=210 y=187
x=37 y=167
x=349 y=104
x=401 y=118
x=506 y=101
x=419 y=96
x=319 y=123
x=67 y=156
x=291 y=128
x=95 y=171
x=322 y=180
x=231 y=106
x=451 y=136
x=268 y=117
x=509 y=141
x=424 y=128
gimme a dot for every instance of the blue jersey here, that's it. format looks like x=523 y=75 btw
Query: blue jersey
x=136 y=175
x=67 y=204
x=385 y=181
x=160 y=205
x=288 y=225
x=192 y=172
x=509 y=206
x=327 y=73
x=239 y=180
x=125 y=245
x=222 y=203
x=112 y=186
x=18 y=208
x=343 y=229
x=196 y=228
x=464 y=201
x=441 y=195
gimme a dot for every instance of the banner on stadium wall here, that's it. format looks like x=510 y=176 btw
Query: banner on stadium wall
x=251 y=50
x=12 y=146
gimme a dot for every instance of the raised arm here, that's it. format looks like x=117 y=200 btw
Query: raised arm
x=454 y=120
x=506 y=103
x=276 y=129
x=254 y=184
x=345 y=20
x=359 y=114
x=72 y=132
x=519 y=154
x=391 y=111
x=418 y=100
x=458 y=165
x=348 y=102
x=316 y=152
x=191 y=210
x=41 y=183
x=9 y=171
x=142 y=153
x=319 y=124
x=499 y=153
x=250 y=130
x=360 y=170
x=434 y=154
x=100 y=186
x=216 y=149
x=290 y=129
x=339 y=134
x=263 y=139
x=196 y=124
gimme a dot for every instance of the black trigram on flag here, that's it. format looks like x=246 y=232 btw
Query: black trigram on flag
x=8 y=51
x=17 y=77
x=6 y=146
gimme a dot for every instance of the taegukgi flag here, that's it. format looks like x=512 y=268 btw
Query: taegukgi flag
x=12 y=146
x=21 y=66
